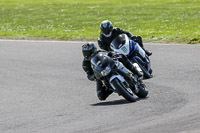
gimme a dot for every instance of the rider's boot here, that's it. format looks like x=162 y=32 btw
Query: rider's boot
x=147 y=52
x=102 y=91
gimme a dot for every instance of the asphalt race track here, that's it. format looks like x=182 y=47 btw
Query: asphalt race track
x=43 y=89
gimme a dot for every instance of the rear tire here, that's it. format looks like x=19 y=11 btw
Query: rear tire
x=123 y=91
x=142 y=90
x=150 y=71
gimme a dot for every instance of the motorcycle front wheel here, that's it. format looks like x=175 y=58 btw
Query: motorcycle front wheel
x=147 y=74
x=122 y=90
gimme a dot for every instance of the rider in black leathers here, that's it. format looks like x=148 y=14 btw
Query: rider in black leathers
x=108 y=33
x=89 y=50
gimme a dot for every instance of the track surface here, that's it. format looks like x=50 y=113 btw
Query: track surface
x=43 y=89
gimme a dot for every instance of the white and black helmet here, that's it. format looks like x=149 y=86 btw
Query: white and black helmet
x=106 y=28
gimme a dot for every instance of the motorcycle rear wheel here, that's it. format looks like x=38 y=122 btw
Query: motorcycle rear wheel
x=142 y=90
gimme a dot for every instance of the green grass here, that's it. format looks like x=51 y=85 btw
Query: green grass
x=155 y=20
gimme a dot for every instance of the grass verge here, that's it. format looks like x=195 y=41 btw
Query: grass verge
x=155 y=20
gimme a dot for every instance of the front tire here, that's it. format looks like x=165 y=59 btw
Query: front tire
x=122 y=90
x=147 y=75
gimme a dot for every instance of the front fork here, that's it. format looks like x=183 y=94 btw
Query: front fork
x=128 y=75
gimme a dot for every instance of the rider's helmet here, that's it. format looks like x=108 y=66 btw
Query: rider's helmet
x=106 y=28
x=88 y=49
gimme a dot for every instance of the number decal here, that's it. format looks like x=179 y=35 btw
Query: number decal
x=124 y=49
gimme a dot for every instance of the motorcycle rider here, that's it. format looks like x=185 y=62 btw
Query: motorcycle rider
x=89 y=50
x=108 y=33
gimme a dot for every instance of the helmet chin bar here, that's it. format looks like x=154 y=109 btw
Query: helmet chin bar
x=108 y=35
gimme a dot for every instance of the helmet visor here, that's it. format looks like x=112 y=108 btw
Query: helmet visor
x=106 y=31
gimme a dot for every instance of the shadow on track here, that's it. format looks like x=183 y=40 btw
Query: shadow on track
x=116 y=102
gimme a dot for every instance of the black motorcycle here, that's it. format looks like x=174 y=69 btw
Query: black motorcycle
x=117 y=77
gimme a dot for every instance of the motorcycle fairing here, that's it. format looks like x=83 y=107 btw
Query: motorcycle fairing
x=121 y=44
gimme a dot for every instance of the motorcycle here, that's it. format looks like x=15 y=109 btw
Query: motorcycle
x=116 y=77
x=122 y=44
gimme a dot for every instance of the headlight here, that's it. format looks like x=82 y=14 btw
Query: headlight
x=106 y=71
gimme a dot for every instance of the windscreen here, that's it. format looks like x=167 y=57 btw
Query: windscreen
x=100 y=61
x=118 y=42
